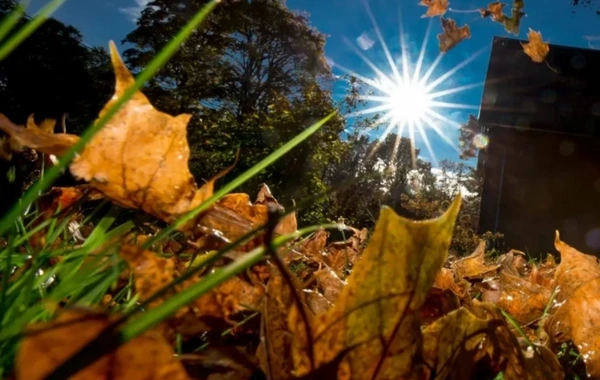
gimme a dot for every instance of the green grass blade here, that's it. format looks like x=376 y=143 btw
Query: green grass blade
x=10 y=20
x=159 y=61
x=7 y=47
x=263 y=164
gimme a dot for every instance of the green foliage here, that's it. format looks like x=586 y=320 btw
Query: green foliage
x=253 y=78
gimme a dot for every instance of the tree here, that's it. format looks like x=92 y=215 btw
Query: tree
x=49 y=75
x=253 y=77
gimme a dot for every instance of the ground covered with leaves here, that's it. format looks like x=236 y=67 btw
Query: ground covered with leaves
x=235 y=291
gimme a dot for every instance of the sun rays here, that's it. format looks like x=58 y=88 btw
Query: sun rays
x=406 y=95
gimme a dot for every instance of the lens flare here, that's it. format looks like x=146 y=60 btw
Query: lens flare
x=407 y=98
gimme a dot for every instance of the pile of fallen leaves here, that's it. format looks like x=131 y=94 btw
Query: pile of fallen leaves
x=388 y=306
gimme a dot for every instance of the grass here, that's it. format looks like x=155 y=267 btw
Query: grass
x=36 y=280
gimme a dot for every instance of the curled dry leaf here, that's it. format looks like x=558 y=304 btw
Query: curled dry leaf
x=512 y=24
x=575 y=314
x=536 y=48
x=316 y=302
x=494 y=10
x=445 y=280
x=288 y=223
x=435 y=7
x=329 y=283
x=473 y=266
x=215 y=308
x=139 y=159
x=274 y=351
x=377 y=312
x=148 y=356
x=454 y=344
x=452 y=34
x=524 y=300
x=40 y=138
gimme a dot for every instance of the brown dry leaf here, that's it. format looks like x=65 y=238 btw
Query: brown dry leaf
x=329 y=283
x=435 y=7
x=536 y=48
x=473 y=266
x=453 y=345
x=41 y=139
x=288 y=223
x=445 y=280
x=139 y=159
x=274 y=351
x=543 y=274
x=314 y=247
x=316 y=302
x=376 y=314
x=452 y=34
x=439 y=302
x=148 y=356
x=495 y=11
x=233 y=217
x=575 y=314
x=524 y=300
x=215 y=308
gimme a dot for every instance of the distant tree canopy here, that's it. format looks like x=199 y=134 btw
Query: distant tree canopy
x=52 y=73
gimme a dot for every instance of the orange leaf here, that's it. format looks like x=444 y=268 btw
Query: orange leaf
x=576 y=312
x=452 y=34
x=495 y=11
x=41 y=139
x=148 y=356
x=139 y=159
x=473 y=266
x=435 y=7
x=536 y=48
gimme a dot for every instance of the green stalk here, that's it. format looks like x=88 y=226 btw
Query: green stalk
x=11 y=19
x=28 y=29
x=158 y=62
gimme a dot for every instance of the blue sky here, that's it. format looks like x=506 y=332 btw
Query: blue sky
x=347 y=20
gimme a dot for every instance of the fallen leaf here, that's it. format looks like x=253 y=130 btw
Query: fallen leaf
x=139 y=159
x=288 y=223
x=274 y=351
x=445 y=280
x=329 y=283
x=495 y=11
x=42 y=140
x=438 y=303
x=536 y=48
x=523 y=300
x=473 y=266
x=454 y=344
x=435 y=7
x=452 y=34
x=316 y=302
x=378 y=310
x=575 y=314
x=213 y=309
x=148 y=356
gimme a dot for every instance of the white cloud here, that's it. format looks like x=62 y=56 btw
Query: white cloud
x=133 y=12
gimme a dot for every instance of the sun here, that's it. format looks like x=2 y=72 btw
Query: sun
x=409 y=102
x=407 y=95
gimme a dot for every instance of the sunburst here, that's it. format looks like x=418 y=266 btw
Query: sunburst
x=408 y=97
